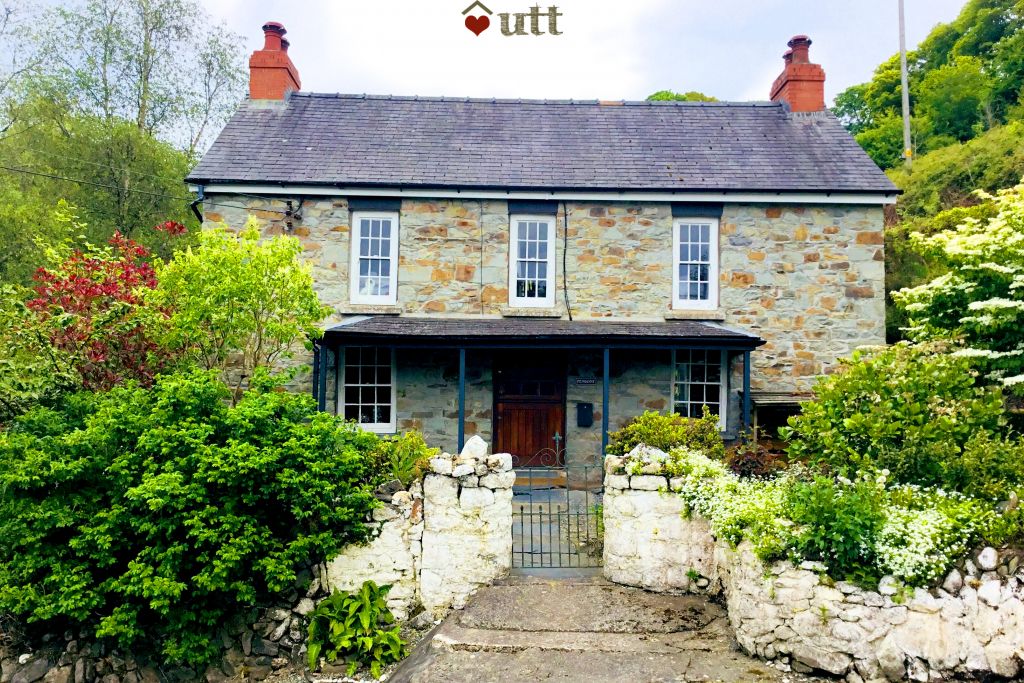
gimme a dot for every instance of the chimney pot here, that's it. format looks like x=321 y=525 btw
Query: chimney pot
x=273 y=34
x=800 y=46
x=272 y=75
x=801 y=83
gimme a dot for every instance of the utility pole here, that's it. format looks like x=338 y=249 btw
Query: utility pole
x=908 y=152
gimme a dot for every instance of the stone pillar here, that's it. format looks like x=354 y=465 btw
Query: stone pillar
x=467 y=532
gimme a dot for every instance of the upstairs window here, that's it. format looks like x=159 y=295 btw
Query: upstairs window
x=368 y=388
x=695 y=264
x=699 y=380
x=532 y=262
x=374 y=264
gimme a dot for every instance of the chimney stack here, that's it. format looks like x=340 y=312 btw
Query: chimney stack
x=801 y=83
x=271 y=72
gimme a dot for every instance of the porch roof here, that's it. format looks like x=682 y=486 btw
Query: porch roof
x=436 y=332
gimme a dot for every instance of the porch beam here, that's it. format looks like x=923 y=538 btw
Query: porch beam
x=462 y=398
x=314 y=385
x=605 y=382
x=746 y=390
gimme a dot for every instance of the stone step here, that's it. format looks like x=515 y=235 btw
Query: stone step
x=454 y=638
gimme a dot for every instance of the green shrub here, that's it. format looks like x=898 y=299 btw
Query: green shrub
x=909 y=409
x=669 y=431
x=152 y=517
x=353 y=626
x=837 y=523
x=405 y=458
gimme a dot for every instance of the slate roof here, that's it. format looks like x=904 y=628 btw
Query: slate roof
x=447 y=332
x=523 y=145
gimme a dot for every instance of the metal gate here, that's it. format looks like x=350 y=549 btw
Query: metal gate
x=557 y=518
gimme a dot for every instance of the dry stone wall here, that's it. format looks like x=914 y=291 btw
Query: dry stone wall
x=440 y=540
x=971 y=628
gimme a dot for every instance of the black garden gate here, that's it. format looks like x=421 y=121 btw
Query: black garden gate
x=557 y=516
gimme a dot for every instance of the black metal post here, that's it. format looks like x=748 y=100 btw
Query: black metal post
x=321 y=380
x=746 y=390
x=462 y=398
x=604 y=401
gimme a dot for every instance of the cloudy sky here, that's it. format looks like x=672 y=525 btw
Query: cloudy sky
x=609 y=49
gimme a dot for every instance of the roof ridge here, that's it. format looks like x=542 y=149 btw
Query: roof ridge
x=523 y=100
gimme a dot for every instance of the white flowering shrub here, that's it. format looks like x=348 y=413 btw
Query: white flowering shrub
x=981 y=298
x=860 y=529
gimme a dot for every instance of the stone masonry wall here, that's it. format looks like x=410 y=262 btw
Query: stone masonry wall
x=439 y=541
x=970 y=628
x=807 y=278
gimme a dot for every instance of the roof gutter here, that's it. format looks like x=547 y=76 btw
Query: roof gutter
x=744 y=197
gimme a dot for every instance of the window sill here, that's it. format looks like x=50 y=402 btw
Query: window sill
x=515 y=312
x=372 y=309
x=694 y=315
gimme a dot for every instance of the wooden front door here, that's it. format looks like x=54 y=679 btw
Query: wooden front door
x=529 y=408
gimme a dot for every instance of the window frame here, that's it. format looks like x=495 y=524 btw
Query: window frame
x=339 y=407
x=513 y=260
x=723 y=385
x=711 y=303
x=355 y=297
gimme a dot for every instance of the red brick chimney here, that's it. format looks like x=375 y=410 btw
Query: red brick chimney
x=801 y=83
x=271 y=72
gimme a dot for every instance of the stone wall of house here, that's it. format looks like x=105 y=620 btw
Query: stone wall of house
x=808 y=278
x=968 y=629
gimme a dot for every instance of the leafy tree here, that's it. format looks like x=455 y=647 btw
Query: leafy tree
x=852 y=109
x=163 y=65
x=31 y=370
x=151 y=518
x=955 y=97
x=236 y=302
x=981 y=297
x=689 y=96
x=92 y=311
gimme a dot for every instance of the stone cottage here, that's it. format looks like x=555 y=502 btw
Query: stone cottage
x=539 y=272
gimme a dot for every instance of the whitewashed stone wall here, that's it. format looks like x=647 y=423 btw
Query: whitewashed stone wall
x=392 y=557
x=648 y=543
x=438 y=542
x=969 y=629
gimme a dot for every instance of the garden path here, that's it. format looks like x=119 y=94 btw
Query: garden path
x=530 y=628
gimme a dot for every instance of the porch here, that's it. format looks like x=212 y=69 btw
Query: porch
x=546 y=390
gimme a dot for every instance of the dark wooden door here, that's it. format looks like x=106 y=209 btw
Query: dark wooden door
x=529 y=408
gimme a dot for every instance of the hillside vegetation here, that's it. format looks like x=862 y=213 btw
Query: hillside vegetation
x=966 y=80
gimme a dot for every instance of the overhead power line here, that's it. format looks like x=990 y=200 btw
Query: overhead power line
x=115 y=188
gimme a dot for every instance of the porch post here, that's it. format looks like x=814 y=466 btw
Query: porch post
x=604 y=402
x=321 y=379
x=314 y=384
x=462 y=398
x=746 y=390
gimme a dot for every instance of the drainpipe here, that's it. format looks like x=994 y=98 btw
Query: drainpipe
x=194 y=206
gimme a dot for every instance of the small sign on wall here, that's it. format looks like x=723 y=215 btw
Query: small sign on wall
x=585 y=381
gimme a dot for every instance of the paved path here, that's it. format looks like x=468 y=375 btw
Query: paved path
x=583 y=629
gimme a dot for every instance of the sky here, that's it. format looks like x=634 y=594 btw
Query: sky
x=608 y=49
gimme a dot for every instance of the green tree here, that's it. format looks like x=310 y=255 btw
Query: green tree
x=690 y=96
x=981 y=296
x=236 y=302
x=163 y=65
x=852 y=109
x=956 y=98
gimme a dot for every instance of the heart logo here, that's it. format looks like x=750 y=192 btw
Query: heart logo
x=477 y=24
